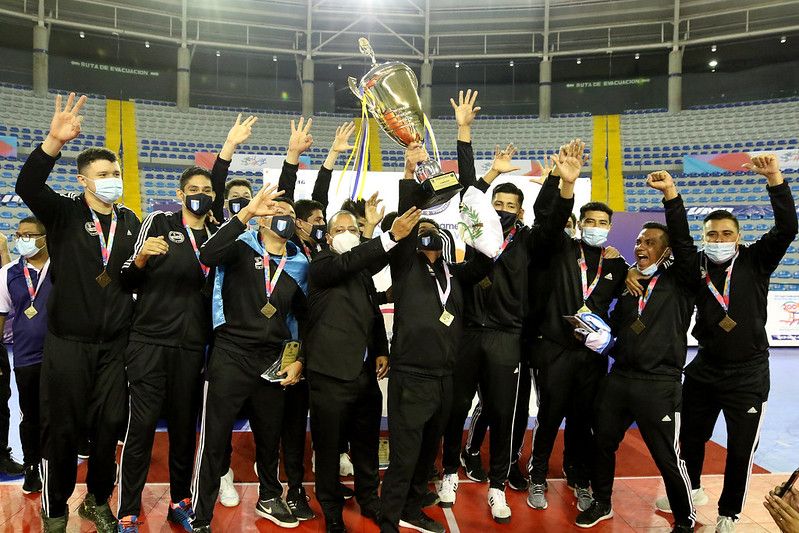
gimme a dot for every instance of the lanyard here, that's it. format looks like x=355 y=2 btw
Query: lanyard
x=506 y=242
x=643 y=300
x=29 y=282
x=271 y=282
x=306 y=250
x=196 y=249
x=587 y=290
x=724 y=301
x=105 y=250
x=443 y=294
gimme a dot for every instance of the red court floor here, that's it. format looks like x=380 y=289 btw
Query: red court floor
x=632 y=501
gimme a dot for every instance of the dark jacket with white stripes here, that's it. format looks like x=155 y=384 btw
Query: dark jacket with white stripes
x=79 y=309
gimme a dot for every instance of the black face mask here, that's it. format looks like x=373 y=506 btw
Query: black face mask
x=237 y=204
x=283 y=225
x=318 y=232
x=507 y=220
x=430 y=242
x=199 y=203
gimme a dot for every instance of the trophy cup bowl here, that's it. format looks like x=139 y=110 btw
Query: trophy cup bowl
x=390 y=91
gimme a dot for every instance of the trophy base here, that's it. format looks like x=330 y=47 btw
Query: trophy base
x=438 y=190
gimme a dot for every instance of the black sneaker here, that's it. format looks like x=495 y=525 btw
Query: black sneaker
x=473 y=466
x=181 y=514
x=430 y=499
x=33 y=481
x=297 y=501
x=335 y=526
x=8 y=465
x=276 y=511
x=516 y=478
x=422 y=523
x=347 y=492
x=594 y=515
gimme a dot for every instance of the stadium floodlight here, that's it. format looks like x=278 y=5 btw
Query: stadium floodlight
x=783 y=39
x=339 y=66
x=218 y=53
x=713 y=63
x=579 y=61
x=511 y=63
x=457 y=64
x=274 y=58
x=637 y=55
x=713 y=48
x=82 y=35
x=147 y=44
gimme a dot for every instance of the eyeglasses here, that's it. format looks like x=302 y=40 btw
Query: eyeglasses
x=28 y=237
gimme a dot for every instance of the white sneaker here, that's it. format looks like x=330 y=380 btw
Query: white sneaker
x=313 y=462
x=698 y=497
x=228 y=496
x=447 y=490
x=725 y=524
x=499 y=507
x=345 y=467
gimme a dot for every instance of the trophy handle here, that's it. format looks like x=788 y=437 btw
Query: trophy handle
x=353 y=85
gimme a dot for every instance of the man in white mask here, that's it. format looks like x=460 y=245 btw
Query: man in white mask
x=83 y=387
x=730 y=373
x=347 y=353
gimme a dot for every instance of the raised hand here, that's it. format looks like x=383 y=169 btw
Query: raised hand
x=374 y=211
x=341 y=142
x=404 y=223
x=465 y=111
x=300 y=140
x=152 y=246
x=568 y=166
x=663 y=182
x=65 y=124
x=766 y=165
x=262 y=205
x=241 y=131
x=503 y=160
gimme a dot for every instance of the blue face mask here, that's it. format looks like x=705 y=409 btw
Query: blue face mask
x=26 y=249
x=569 y=232
x=108 y=190
x=594 y=236
x=720 y=252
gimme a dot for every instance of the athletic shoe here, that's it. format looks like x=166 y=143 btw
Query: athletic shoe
x=297 y=501
x=345 y=467
x=55 y=525
x=473 y=467
x=447 y=490
x=8 y=465
x=500 y=511
x=129 y=524
x=682 y=529
x=698 y=497
x=228 y=496
x=536 y=497
x=347 y=492
x=180 y=513
x=276 y=511
x=104 y=520
x=33 y=480
x=430 y=498
x=422 y=523
x=725 y=524
x=584 y=498
x=596 y=513
x=335 y=526
x=382 y=454
x=516 y=478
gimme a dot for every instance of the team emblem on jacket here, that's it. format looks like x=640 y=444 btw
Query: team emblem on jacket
x=282 y=225
x=90 y=229
x=259 y=263
x=176 y=237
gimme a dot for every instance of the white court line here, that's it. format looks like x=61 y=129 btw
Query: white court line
x=451 y=522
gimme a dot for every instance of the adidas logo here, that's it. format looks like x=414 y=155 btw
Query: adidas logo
x=752 y=411
x=129 y=233
x=666 y=418
x=609 y=276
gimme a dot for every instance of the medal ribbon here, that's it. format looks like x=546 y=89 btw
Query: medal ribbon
x=587 y=290
x=724 y=301
x=506 y=242
x=271 y=283
x=443 y=295
x=643 y=300
x=105 y=250
x=29 y=282
x=196 y=249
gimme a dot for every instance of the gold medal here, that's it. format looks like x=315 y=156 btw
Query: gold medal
x=31 y=312
x=269 y=310
x=446 y=318
x=727 y=324
x=485 y=283
x=103 y=279
x=637 y=326
x=583 y=309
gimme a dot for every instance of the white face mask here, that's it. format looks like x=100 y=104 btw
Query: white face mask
x=109 y=190
x=344 y=242
x=651 y=269
x=594 y=236
x=27 y=249
x=569 y=232
x=720 y=252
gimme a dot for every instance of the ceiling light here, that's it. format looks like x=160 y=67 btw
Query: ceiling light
x=637 y=55
x=511 y=62
x=147 y=44
x=713 y=48
x=713 y=63
x=274 y=58
x=339 y=66
x=457 y=64
x=579 y=61
x=82 y=35
x=218 y=53
x=783 y=39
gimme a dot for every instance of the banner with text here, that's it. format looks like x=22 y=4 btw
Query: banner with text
x=733 y=161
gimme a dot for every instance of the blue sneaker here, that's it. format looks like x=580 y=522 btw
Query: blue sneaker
x=181 y=514
x=128 y=524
